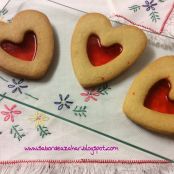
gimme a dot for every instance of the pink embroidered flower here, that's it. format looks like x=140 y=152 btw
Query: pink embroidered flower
x=90 y=94
x=10 y=113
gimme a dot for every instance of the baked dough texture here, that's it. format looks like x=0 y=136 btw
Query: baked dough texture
x=134 y=107
x=25 y=21
x=132 y=39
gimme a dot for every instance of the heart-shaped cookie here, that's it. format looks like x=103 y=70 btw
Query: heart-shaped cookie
x=150 y=100
x=26 y=45
x=100 y=52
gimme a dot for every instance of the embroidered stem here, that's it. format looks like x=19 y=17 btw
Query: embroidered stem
x=16 y=131
x=103 y=90
x=6 y=4
x=3 y=12
x=3 y=96
x=154 y=16
x=43 y=131
x=80 y=111
x=135 y=8
x=31 y=96
x=3 y=79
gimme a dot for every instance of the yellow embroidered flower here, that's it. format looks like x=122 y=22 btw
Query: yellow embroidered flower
x=39 y=118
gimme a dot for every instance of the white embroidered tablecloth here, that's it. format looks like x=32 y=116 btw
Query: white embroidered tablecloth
x=149 y=14
x=54 y=119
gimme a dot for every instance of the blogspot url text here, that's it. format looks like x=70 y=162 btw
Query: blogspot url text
x=91 y=149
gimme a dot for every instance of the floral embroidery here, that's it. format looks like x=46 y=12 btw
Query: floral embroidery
x=43 y=131
x=80 y=111
x=10 y=113
x=39 y=119
x=63 y=102
x=150 y=5
x=17 y=86
x=17 y=132
x=3 y=12
x=154 y=16
x=90 y=95
x=103 y=90
x=135 y=8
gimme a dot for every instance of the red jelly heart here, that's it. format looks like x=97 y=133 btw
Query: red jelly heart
x=25 y=50
x=98 y=54
x=157 y=98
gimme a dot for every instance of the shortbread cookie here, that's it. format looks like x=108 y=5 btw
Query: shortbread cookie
x=101 y=52
x=150 y=100
x=27 y=45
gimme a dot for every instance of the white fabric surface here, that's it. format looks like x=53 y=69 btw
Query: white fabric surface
x=117 y=10
x=62 y=133
x=109 y=120
x=101 y=6
x=151 y=15
x=86 y=168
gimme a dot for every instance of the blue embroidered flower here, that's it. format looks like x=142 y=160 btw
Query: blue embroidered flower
x=150 y=5
x=17 y=85
x=63 y=102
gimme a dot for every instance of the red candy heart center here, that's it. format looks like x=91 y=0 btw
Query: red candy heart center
x=157 y=98
x=26 y=50
x=98 y=54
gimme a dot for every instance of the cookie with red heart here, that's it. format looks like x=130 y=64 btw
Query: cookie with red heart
x=26 y=45
x=101 y=52
x=150 y=100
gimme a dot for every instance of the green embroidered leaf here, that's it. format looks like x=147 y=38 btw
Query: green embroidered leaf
x=134 y=8
x=11 y=131
x=17 y=132
x=20 y=130
x=154 y=16
x=103 y=90
x=161 y=0
x=3 y=12
x=80 y=111
x=23 y=135
x=43 y=131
